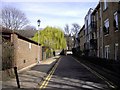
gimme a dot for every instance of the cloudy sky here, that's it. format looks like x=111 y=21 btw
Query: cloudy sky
x=53 y=13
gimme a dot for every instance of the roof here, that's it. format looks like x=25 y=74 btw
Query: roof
x=97 y=7
x=9 y=32
x=27 y=33
x=82 y=28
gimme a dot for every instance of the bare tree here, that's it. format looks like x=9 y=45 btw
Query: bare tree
x=13 y=18
x=67 y=30
x=68 y=34
x=75 y=31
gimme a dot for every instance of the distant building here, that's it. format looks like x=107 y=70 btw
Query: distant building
x=69 y=41
x=82 y=38
x=88 y=31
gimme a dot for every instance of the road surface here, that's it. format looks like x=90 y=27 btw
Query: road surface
x=71 y=75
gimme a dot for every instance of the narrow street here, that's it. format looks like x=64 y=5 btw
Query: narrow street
x=70 y=74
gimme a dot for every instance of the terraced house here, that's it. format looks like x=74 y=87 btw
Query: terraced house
x=103 y=32
x=110 y=32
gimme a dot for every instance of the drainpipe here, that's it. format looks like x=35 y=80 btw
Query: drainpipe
x=102 y=28
x=119 y=29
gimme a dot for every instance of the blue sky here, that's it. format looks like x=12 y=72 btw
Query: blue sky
x=53 y=13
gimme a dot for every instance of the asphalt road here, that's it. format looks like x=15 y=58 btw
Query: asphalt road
x=71 y=75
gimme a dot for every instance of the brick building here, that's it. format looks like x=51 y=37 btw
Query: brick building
x=82 y=38
x=102 y=30
x=90 y=34
x=108 y=33
x=111 y=32
x=88 y=29
x=25 y=50
x=96 y=15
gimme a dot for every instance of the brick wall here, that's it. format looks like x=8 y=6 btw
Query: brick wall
x=82 y=39
x=25 y=52
x=113 y=36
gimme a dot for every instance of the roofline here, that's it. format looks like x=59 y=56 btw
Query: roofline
x=82 y=27
x=8 y=31
x=96 y=8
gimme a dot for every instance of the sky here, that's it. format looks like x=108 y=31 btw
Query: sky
x=53 y=13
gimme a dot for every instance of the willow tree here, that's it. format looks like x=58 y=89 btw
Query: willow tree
x=52 y=37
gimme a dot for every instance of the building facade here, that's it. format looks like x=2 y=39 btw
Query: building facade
x=88 y=29
x=82 y=38
x=25 y=51
x=110 y=22
x=90 y=33
x=102 y=30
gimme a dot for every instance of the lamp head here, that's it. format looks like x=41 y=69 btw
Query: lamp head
x=38 y=22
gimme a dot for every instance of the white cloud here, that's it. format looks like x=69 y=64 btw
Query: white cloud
x=54 y=14
x=54 y=11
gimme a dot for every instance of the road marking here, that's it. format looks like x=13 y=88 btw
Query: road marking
x=47 y=79
x=109 y=83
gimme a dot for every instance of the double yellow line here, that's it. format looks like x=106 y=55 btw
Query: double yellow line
x=47 y=79
x=109 y=83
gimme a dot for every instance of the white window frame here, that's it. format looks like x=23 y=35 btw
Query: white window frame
x=105 y=4
x=116 y=53
x=116 y=19
x=106 y=24
x=107 y=51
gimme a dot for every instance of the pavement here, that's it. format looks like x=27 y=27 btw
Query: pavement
x=32 y=77
x=110 y=77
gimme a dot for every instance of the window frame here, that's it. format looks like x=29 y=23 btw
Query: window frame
x=116 y=45
x=105 y=5
x=116 y=15
x=107 y=51
x=107 y=28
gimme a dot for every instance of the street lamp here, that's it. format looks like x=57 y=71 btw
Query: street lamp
x=38 y=22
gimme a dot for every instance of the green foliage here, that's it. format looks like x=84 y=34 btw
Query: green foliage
x=49 y=53
x=52 y=37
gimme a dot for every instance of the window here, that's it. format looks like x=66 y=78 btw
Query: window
x=106 y=26
x=115 y=21
x=116 y=51
x=105 y=4
x=107 y=51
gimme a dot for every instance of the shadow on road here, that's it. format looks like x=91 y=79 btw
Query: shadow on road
x=71 y=75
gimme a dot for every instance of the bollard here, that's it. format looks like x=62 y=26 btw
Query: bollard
x=16 y=75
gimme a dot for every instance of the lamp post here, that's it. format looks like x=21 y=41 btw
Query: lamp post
x=38 y=22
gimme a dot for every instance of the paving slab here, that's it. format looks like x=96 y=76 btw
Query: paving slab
x=32 y=77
